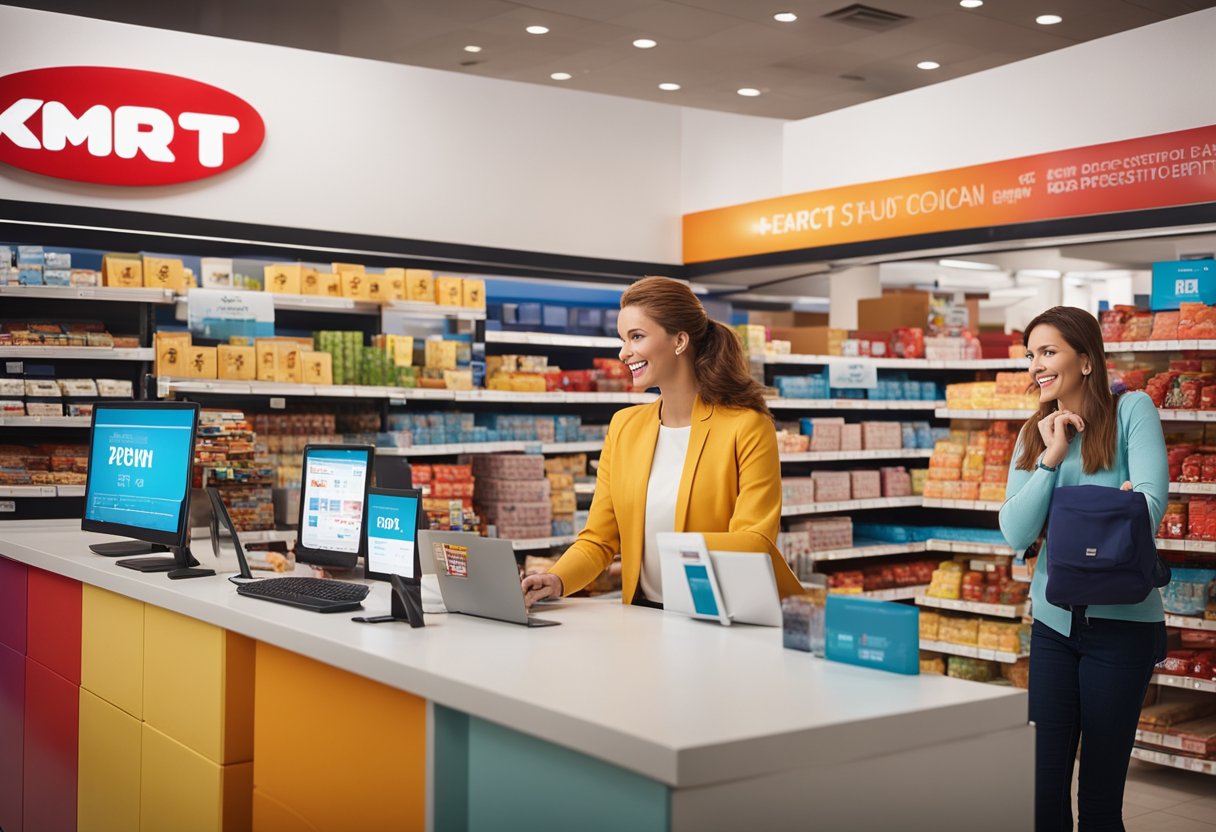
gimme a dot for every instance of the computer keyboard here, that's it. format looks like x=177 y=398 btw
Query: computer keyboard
x=316 y=594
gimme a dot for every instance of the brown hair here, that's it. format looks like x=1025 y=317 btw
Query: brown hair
x=718 y=361
x=1081 y=331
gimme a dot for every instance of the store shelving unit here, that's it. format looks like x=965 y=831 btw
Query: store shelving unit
x=849 y=505
x=970 y=505
x=1165 y=758
x=1207 y=547
x=958 y=605
x=77 y=353
x=856 y=456
x=1189 y=622
x=545 y=339
x=898 y=593
x=44 y=421
x=455 y=449
x=1159 y=346
x=1192 y=488
x=850 y=404
x=1185 y=682
x=867 y=549
x=901 y=363
x=971 y=652
x=529 y=544
x=105 y=293
x=41 y=491
x=983 y=415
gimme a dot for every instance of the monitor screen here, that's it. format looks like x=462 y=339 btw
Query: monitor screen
x=140 y=460
x=334 y=484
x=392 y=533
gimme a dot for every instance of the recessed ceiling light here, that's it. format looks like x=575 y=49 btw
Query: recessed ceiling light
x=971 y=4
x=667 y=86
x=785 y=17
x=645 y=43
x=561 y=76
x=749 y=92
x=537 y=30
x=471 y=48
x=928 y=65
x=1048 y=19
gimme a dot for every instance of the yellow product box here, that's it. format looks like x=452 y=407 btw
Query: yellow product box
x=162 y=273
x=318 y=367
x=563 y=502
x=396 y=284
x=419 y=285
x=448 y=291
x=378 y=287
x=560 y=481
x=498 y=381
x=354 y=285
x=201 y=362
x=289 y=367
x=171 y=353
x=267 y=352
x=328 y=285
x=473 y=293
x=527 y=383
x=400 y=349
x=458 y=379
x=441 y=355
x=284 y=278
x=341 y=269
x=237 y=362
x=308 y=281
x=122 y=270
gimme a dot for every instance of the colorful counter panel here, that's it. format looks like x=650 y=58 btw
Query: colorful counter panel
x=190 y=707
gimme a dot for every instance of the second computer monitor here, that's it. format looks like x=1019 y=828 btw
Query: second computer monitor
x=392 y=534
x=333 y=504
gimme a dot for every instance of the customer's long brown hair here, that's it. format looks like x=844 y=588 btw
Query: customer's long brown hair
x=1081 y=331
x=719 y=365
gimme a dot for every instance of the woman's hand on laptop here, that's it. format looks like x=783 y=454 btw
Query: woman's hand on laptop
x=536 y=587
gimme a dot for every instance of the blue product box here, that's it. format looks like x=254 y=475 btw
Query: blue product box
x=879 y=634
x=527 y=314
x=928 y=391
x=554 y=316
x=1183 y=281
x=29 y=275
x=31 y=256
x=57 y=260
x=910 y=391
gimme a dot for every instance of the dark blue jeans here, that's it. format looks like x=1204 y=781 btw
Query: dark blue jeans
x=1087 y=688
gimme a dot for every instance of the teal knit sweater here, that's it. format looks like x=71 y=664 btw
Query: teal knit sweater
x=1139 y=457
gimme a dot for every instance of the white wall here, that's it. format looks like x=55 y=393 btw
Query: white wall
x=729 y=158
x=1155 y=79
x=377 y=148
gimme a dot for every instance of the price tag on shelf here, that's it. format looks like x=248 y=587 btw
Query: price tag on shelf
x=14 y=367
x=278 y=403
x=7 y=506
x=852 y=375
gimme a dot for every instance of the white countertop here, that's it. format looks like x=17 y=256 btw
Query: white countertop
x=684 y=702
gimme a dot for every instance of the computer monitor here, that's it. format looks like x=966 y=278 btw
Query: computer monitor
x=141 y=457
x=393 y=471
x=333 y=503
x=392 y=534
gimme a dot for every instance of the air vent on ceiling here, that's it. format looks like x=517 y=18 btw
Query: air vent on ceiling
x=867 y=17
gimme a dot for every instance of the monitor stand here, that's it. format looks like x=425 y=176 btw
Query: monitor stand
x=126 y=549
x=181 y=565
x=406 y=601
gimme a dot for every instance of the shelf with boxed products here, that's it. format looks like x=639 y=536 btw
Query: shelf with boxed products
x=898 y=593
x=889 y=363
x=983 y=415
x=557 y=397
x=958 y=605
x=971 y=505
x=106 y=293
x=849 y=505
x=849 y=404
x=1170 y=681
x=79 y=353
x=963 y=547
x=1189 y=622
x=862 y=549
x=456 y=448
x=529 y=544
x=1192 y=488
x=44 y=421
x=970 y=651
x=1159 y=346
x=41 y=490
x=855 y=456
x=1164 y=758
x=545 y=339
x=1177 y=544
x=1171 y=415
x=355 y=306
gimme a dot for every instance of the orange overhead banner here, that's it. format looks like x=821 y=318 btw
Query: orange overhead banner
x=1153 y=172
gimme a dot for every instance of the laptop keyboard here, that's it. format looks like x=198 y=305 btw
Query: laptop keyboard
x=310 y=593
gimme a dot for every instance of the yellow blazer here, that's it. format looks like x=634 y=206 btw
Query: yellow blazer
x=730 y=491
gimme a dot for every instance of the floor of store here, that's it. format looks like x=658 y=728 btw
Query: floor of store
x=1166 y=800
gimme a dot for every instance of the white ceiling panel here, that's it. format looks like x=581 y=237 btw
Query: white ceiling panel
x=711 y=47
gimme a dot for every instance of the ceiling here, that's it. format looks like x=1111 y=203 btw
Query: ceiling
x=710 y=47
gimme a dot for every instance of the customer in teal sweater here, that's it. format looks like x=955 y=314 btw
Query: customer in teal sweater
x=1089 y=667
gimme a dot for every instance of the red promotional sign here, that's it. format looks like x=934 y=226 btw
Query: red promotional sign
x=1159 y=171
x=123 y=126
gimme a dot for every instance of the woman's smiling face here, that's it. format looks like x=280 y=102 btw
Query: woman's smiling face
x=648 y=350
x=1055 y=367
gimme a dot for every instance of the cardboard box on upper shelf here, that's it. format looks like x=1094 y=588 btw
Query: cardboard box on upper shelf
x=893 y=310
x=473 y=293
x=125 y=270
x=267 y=354
x=216 y=272
x=420 y=285
x=164 y=273
x=284 y=278
x=396 y=289
x=172 y=353
x=448 y=291
x=318 y=367
x=236 y=362
x=308 y=281
x=811 y=340
x=201 y=362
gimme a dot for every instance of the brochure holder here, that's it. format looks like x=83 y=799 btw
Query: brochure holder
x=869 y=633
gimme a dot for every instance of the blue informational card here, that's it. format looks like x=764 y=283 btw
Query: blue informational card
x=392 y=525
x=878 y=634
x=140 y=467
x=1183 y=281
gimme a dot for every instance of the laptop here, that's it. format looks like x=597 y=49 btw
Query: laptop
x=477 y=576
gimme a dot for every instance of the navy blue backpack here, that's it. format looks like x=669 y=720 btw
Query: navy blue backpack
x=1101 y=547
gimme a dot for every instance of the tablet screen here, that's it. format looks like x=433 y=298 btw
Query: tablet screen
x=392 y=533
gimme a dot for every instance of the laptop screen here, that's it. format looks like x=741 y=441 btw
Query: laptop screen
x=392 y=533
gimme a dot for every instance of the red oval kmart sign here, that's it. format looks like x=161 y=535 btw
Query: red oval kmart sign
x=123 y=126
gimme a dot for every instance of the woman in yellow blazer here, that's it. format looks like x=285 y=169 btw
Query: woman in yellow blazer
x=703 y=458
